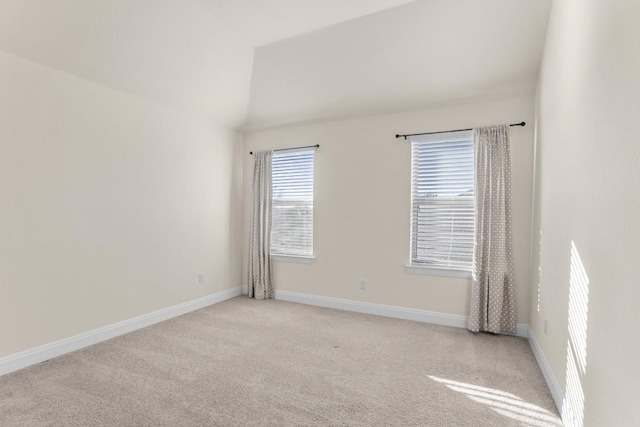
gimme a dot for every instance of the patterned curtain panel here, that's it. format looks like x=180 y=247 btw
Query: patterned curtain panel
x=493 y=306
x=259 y=280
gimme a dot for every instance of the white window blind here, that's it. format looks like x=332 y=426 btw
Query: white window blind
x=442 y=201
x=292 y=207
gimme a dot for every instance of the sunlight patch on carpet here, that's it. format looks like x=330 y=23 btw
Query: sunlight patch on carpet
x=505 y=404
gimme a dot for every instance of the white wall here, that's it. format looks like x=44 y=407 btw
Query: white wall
x=362 y=205
x=588 y=175
x=110 y=206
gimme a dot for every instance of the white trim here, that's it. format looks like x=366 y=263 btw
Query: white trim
x=293 y=258
x=282 y=151
x=455 y=320
x=522 y=330
x=430 y=271
x=444 y=136
x=552 y=383
x=29 y=357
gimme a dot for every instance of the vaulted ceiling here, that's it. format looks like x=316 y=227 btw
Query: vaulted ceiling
x=255 y=63
x=417 y=55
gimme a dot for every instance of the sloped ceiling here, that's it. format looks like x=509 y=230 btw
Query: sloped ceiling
x=194 y=55
x=413 y=56
x=259 y=22
x=255 y=63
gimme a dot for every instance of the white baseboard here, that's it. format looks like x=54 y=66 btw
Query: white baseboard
x=522 y=330
x=455 y=320
x=20 y=360
x=552 y=383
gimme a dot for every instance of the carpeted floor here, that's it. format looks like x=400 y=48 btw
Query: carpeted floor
x=272 y=363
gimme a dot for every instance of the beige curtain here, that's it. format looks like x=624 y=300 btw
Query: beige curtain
x=493 y=306
x=260 y=285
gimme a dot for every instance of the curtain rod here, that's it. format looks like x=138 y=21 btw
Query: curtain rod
x=448 y=131
x=293 y=148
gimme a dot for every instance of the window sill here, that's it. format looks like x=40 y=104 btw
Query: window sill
x=430 y=271
x=293 y=259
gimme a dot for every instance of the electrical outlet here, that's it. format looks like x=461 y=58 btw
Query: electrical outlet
x=545 y=326
x=363 y=284
x=200 y=277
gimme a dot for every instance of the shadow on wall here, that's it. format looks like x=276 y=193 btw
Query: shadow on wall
x=573 y=404
x=506 y=404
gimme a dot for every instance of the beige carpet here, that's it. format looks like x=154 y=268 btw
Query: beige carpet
x=272 y=363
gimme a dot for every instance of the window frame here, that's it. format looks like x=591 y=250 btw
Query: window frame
x=434 y=269
x=294 y=257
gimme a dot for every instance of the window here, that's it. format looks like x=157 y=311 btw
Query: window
x=442 y=201
x=292 y=208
